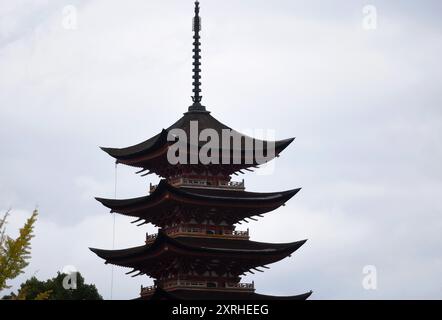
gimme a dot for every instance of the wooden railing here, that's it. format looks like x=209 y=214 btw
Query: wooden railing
x=152 y=187
x=231 y=185
x=206 y=284
x=151 y=237
x=241 y=286
x=240 y=235
x=189 y=284
x=147 y=290
x=184 y=284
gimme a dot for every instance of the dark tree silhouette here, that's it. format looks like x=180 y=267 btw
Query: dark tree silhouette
x=32 y=289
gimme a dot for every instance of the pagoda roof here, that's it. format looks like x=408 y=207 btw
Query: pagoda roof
x=182 y=294
x=165 y=195
x=213 y=245
x=246 y=254
x=142 y=155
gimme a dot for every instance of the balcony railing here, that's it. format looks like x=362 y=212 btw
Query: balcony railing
x=189 y=284
x=184 y=284
x=147 y=290
x=151 y=237
x=188 y=182
x=232 y=184
x=244 y=235
x=241 y=286
x=208 y=285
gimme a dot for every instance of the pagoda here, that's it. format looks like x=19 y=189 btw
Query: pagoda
x=198 y=253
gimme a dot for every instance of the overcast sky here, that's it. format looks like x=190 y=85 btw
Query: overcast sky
x=364 y=105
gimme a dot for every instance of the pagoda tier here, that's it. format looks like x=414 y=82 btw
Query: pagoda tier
x=200 y=294
x=151 y=155
x=168 y=258
x=168 y=204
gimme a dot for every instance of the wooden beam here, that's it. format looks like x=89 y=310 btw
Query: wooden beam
x=265 y=267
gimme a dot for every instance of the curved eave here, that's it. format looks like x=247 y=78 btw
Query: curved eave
x=303 y=296
x=164 y=188
x=291 y=247
x=120 y=257
x=149 y=145
x=161 y=294
x=130 y=155
x=281 y=145
x=136 y=159
x=282 y=196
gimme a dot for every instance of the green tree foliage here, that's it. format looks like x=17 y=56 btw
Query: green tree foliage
x=14 y=258
x=53 y=289
x=15 y=253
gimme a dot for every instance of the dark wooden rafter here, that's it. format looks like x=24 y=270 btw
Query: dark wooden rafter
x=137 y=274
x=130 y=272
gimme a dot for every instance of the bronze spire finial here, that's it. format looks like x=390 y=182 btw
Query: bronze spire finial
x=196 y=98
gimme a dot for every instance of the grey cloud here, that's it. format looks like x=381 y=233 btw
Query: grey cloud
x=365 y=108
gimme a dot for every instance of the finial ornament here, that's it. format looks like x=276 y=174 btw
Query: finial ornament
x=196 y=98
